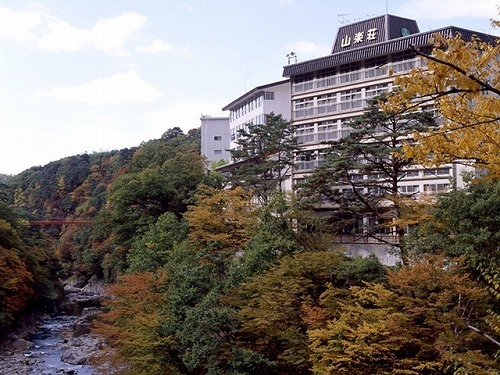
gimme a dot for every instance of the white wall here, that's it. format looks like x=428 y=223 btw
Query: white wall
x=212 y=148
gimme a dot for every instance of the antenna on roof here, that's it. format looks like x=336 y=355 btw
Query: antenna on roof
x=344 y=21
x=386 y=6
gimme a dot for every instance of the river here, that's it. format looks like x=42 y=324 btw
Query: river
x=46 y=346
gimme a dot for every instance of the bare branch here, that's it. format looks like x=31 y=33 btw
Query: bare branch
x=471 y=76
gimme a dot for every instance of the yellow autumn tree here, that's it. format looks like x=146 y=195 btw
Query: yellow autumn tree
x=427 y=319
x=461 y=79
x=221 y=220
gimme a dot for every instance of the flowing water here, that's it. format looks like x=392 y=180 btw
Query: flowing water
x=49 y=347
x=44 y=356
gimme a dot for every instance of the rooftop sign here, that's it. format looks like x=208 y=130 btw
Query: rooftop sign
x=374 y=30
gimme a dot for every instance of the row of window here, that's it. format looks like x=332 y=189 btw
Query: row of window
x=408 y=189
x=250 y=105
x=353 y=72
x=341 y=101
x=341 y=96
x=260 y=119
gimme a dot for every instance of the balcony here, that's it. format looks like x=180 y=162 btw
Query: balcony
x=331 y=135
x=355 y=76
x=328 y=109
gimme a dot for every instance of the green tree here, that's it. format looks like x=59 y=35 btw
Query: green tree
x=272 y=306
x=417 y=324
x=463 y=223
x=362 y=172
x=265 y=156
x=361 y=175
x=137 y=199
x=273 y=239
x=150 y=251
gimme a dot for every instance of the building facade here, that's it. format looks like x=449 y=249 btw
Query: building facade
x=215 y=139
x=251 y=107
x=329 y=92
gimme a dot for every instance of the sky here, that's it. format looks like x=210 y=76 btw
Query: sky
x=87 y=76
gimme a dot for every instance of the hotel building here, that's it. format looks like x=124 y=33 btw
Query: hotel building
x=328 y=92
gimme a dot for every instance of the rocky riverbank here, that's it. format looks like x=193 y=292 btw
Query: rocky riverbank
x=57 y=344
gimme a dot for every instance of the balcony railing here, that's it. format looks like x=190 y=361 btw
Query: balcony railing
x=324 y=110
x=355 y=76
x=331 y=135
x=309 y=165
x=366 y=239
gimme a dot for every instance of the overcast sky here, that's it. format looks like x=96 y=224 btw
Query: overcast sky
x=95 y=75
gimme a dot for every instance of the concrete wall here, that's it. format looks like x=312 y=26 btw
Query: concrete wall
x=386 y=254
x=213 y=148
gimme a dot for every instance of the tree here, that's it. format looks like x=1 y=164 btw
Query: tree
x=361 y=175
x=272 y=305
x=131 y=325
x=273 y=239
x=463 y=223
x=16 y=281
x=199 y=327
x=151 y=250
x=265 y=155
x=221 y=222
x=462 y=81
x=418 y=324
x=138 y=198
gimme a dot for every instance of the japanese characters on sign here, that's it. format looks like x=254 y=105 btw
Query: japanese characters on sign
x=359 y=37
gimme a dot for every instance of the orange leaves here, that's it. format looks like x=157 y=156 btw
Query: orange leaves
x=15 y=285
x=132 y=321
x=418 y=323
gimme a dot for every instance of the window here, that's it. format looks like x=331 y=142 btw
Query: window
x=305 y=133
x=375 y=90
x=409 y=189
x=269 y=95
x=350 y=99
x=217 y=152
x=217 y=138
x=436 y=187
x=413 y=173
x=303 y=107
x=437 y=172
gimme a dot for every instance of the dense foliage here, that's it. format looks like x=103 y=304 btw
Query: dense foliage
x=28 y=268
x=206 y=281
x=265 y=156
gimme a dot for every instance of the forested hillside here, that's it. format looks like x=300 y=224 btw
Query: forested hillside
x=113 y=191
x=205 y=280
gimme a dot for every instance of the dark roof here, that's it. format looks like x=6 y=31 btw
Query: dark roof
x=253 y=92
x=380 y=49
x=230 y=166
x=383 y=28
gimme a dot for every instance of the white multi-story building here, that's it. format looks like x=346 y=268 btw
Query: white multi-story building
x=251 y=107
x=215 y=139
x=327 y=93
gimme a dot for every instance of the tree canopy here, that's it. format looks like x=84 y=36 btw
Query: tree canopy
x=461 y=79
x=266 y=155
